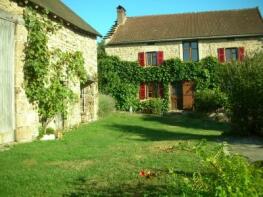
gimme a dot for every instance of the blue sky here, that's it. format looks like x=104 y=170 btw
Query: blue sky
x=102 y=13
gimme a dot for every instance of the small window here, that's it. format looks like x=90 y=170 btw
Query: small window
x=190 y=51
x=151 y=58
x=150 y=90
x=154 y=90
x=231 y=54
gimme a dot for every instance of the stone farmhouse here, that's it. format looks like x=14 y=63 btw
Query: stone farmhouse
x=227 y=35
x=19 y=119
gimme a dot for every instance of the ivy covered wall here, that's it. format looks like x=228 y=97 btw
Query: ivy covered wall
x=122 y=79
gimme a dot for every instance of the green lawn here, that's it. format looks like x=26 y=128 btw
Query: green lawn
x=105 y=157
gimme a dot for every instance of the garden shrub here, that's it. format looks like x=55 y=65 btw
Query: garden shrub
x=243 y=84
x=222 y=174
x=106 y=105
x=209 y=100
x=151 y=106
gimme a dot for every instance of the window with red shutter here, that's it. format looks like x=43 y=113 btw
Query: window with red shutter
x=141 y=59
x=221 y=55
x=160 y=57
x=142 y=91
x=241 y=53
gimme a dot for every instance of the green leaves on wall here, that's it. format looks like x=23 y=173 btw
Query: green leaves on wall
x=121 y=79
x=48 y=74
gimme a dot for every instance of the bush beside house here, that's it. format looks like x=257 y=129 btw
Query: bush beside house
x=243 y=84
x=106 y=105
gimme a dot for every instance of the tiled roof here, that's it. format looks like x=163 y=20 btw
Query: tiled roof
x=61 y=10
x=213 y=24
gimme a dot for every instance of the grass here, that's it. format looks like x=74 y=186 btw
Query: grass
x=105 y=157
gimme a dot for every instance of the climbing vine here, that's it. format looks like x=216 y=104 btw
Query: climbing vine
x=49 y=74
x=121 y=79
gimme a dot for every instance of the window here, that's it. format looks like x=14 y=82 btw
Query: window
x=231 y=54
x=151 y=90
x=151 y=58
x=190 y=51
x=154 y=58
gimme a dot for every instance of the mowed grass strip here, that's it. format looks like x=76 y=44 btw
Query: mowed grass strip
x=105 y=157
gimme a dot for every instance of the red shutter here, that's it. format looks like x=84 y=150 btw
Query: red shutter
x=160 y=90
x=221 y=55
x=142 y=91
x=141 y=59
x=159 y=57
x=241 y=53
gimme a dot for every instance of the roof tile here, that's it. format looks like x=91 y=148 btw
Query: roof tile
x=189 y=26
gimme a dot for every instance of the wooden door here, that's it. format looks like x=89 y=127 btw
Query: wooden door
x=188 y=95
x=176 y=96
x=7 y=110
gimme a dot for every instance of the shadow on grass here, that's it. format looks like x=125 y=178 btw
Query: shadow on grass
x=82 y=187
x=191 y=120
x=173 y=127
x=186 y=127
x=151 y=134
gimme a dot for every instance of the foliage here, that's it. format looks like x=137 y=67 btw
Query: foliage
x=101 y=49
x=223 y=174
x=209 y=100
x=48 y=74
x=151 y=106
x=106 y=105
x=243 y=84
x=121 y=79
x=50 y=130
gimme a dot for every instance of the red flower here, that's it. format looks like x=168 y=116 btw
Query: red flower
x=142 y=173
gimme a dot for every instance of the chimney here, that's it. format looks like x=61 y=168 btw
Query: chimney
x=121 y=15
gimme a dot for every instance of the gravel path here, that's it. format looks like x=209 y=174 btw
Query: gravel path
x=250 y=147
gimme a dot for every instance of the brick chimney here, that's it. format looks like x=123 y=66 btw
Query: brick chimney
x=121 y=15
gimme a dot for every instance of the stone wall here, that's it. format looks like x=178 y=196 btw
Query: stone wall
x=26 y=116
x=130 y=52
x=69 y=40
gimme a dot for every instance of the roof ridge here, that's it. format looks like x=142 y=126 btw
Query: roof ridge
x=185 y=13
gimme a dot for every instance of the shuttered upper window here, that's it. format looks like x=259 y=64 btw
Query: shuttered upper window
x=231 y=54
x=190 y=51
x=151 y=58
x=154 y=58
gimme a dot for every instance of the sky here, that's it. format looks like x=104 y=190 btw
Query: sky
x=101 y=14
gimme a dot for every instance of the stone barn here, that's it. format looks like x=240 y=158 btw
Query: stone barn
x=19 y=118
